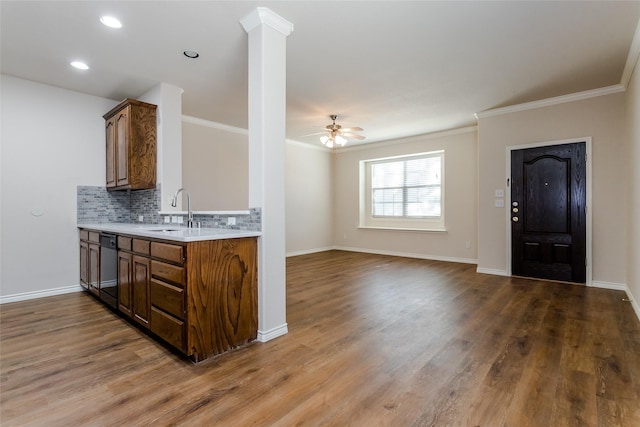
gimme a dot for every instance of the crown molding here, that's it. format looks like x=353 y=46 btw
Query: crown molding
x=316 y=147
x=242 y=131
x=578 y=96
x=264 y=15
x=632 y=58
x=214 y=125
x=410 y=139
x=366 y=146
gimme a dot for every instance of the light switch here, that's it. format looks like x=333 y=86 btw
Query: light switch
x=499 y=193
x=499 y=203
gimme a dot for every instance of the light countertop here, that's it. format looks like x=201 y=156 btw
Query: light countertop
x=171 y=231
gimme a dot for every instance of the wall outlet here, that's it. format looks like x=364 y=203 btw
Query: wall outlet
x=499 y=203
x=180 y=219
x=467 y=244
x=167 y=219
x=140 y=218
x=231 y=220
x=174 y=219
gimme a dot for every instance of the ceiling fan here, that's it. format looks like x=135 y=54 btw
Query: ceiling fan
x=337 y=135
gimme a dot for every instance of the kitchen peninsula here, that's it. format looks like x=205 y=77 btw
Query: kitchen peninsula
x=194 y=288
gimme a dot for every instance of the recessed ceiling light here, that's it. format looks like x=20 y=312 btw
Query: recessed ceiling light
x=191 y=54
x=111 y=22
x=79 y=65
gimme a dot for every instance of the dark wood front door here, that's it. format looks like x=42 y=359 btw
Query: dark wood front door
x=548 y=212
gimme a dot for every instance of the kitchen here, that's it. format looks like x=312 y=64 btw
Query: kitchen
x=39 y=204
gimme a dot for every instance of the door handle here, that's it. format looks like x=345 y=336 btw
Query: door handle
x=515 y=219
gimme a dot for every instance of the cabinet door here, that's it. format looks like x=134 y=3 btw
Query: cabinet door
x=94 y=268
x=125 y=282
x=122 y=146
x=84 y=264
x=111 y=152
x=141 y=280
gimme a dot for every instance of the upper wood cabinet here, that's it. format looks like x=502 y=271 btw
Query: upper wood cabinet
x=131 y=146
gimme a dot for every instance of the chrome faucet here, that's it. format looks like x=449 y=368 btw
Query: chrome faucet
x=174 y=201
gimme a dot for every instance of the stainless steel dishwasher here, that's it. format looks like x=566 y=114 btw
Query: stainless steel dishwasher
x=109 y=269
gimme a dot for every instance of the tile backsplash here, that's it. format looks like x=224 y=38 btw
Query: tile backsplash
x=97 y=205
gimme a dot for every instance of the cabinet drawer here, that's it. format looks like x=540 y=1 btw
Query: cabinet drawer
x=167 y=251
x=141 y=246
x=167 y=297
x=94 y=236
x=168 y=328
x=168 y=272
x=84 y=235
x=124 y=243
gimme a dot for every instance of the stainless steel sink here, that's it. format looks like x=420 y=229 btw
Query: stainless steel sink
x=162 y=230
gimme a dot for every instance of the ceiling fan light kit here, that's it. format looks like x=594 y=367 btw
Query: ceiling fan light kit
x=338 y=135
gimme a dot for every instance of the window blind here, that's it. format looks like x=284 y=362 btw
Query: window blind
x=409 y=187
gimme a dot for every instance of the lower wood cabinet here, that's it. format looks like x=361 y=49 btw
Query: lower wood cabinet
x=125 y=283
x=151 y=290
x=198 y=297
x=90 y=261
x=84 y=264
x=141 y=280
x=167 y=296
x=167 y=327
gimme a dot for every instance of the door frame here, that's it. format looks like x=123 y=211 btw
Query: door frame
x=588 y=207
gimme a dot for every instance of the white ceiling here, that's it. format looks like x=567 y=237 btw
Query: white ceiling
x=395 y=68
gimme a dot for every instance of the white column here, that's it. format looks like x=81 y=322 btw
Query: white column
x=267 y=116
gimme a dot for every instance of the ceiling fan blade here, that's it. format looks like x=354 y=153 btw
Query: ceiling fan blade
x=353 y=136
x=353 y=129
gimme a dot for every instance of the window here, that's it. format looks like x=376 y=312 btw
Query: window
x=403 y=192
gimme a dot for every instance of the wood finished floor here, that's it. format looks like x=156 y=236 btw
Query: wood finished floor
x=373 y=341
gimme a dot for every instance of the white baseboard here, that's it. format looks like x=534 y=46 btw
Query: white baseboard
x=310 y=251
x=608 y=285
x=407 y=255
x=278 y=331
x=39 y=294
x=492 y=271
x=634 y=304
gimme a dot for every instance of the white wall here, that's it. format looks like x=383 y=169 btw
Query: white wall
x=215 y=168
x=52 y=141
x=460 y=199
x=633 y=159
x=309 y=199
x=168 y=98
x=603 y=119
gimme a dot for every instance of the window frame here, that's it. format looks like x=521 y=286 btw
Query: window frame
x=367 y=220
